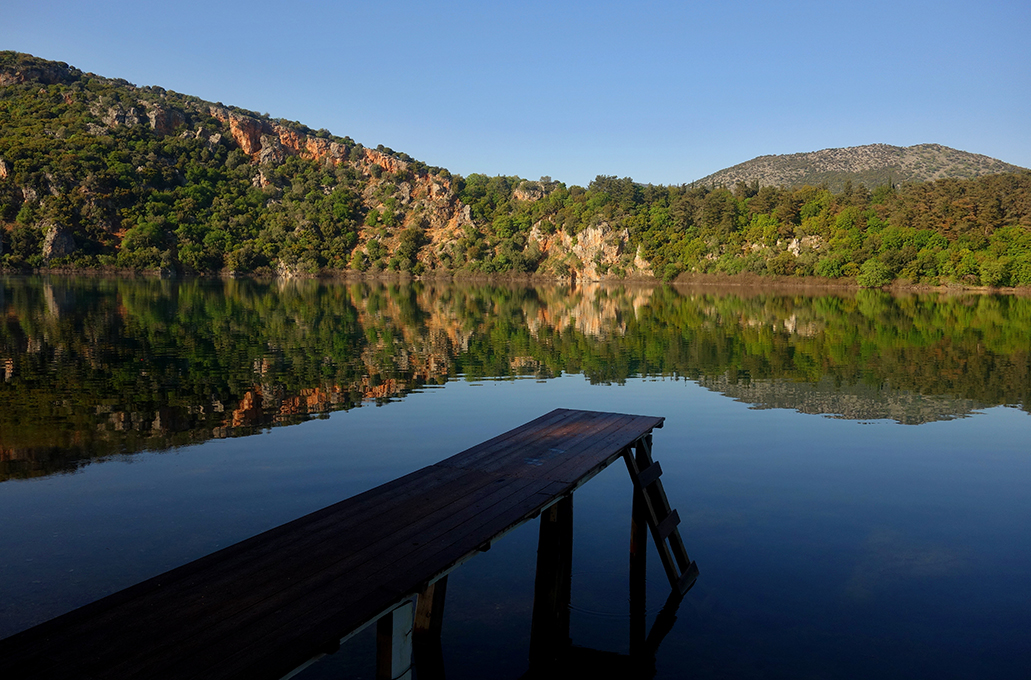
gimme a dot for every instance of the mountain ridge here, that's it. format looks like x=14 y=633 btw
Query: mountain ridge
x=869 y=165
x=97 y=173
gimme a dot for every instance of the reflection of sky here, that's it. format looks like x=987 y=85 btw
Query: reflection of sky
x=830 y=545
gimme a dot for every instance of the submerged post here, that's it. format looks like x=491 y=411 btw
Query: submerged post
x=429 y=619
x=638 y=573
x=394 y=644
x=549 y=630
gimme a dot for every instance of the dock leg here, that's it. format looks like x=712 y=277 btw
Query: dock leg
x=429 y=618
x=549 y=631
x=394 y=644
x=638 y=574
x=429 y=609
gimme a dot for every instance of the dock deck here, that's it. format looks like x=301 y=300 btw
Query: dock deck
x=263 y=607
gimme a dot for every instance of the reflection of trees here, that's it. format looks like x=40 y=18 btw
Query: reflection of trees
x=102 y=366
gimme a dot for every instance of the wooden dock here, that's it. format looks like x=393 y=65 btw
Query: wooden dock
x=266 y=606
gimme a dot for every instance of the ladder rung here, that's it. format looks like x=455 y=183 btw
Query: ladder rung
x=667 y=525
x=688 y=578
x=649 y=475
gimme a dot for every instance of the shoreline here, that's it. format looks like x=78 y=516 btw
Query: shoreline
x=745 y=281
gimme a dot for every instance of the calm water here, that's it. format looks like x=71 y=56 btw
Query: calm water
x=851 y=470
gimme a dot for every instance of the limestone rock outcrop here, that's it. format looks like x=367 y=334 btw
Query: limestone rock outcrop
x=59 y=242
x=116 y=115
x=594 y=254
x=163 y=120
x=46 y=73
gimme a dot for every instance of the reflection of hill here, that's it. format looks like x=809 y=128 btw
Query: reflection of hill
x=99 y=367
x=852 y=402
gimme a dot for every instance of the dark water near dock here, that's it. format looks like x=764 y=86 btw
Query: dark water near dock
x=851 y=470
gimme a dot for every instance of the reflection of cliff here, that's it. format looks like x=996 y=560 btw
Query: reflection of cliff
x=852 y=402
x=101 y=367
x=592 y=310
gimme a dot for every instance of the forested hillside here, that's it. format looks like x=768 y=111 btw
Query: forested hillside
x=98 y=173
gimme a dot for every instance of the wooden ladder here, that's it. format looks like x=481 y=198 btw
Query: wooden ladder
x=661 y=519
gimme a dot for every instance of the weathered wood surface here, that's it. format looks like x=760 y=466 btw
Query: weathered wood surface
x=262 y=607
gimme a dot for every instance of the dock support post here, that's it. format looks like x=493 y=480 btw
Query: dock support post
x=394 y=644
x=638 y=574
x=549 y=630
x=429 y=618
x=429 y=609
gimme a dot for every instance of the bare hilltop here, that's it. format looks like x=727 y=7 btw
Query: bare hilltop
x=871 y=165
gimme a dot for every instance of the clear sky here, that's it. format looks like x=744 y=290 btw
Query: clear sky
x=664 y=92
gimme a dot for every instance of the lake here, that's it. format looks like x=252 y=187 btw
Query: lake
x=851 y=469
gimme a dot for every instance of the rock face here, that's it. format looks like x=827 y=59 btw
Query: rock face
x=806 y=244
x=245 y=131
x=529 y=191
x=58 y=243
x=37 y=71
x=594 y=254
x=164 y=121
x=116 y=116
x=270 y=150
x=266 y=141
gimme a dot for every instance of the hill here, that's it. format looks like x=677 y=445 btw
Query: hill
x=870 y=166
x=97 y=173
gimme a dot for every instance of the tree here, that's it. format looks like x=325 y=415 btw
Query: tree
x=874 y=274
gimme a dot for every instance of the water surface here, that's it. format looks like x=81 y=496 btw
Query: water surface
x=851 y=470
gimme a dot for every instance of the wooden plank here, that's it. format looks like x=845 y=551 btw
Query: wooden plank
x=549 y=447
x=174 y=604
x=569 y=453
x=232 y=565
x=688 y=578
x=605 y=450
x=667 y=525
x=298 y=601
x=428 y=560
x=263 y=606
x=500 y=527
x=290 y=608
x=512 y=439
x=649 y=475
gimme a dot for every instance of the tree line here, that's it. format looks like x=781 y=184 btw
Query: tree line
x=128 y=195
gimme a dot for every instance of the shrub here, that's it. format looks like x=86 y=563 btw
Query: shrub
x=874 y=274
x=783 y=264
x=995 y=273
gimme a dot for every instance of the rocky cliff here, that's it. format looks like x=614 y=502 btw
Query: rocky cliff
x=403 y=214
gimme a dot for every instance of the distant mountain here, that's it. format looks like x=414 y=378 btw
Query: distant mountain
x=871 y=165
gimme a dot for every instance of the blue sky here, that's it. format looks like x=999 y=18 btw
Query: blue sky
x=664 y=92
